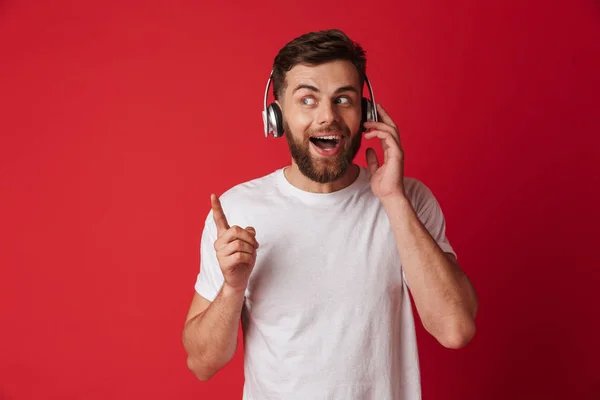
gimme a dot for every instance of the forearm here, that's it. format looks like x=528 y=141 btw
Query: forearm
x=443 y=295
x=210 y=338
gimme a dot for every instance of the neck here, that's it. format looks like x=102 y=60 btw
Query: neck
x=295 y=177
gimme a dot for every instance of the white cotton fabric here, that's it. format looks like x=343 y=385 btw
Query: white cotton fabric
x=327 y=313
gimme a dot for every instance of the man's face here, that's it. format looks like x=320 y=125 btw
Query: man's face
x=321 y=110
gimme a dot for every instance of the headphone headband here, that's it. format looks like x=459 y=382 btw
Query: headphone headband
x=268 y=126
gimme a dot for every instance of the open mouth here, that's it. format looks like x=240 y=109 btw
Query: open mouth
x=326 y=142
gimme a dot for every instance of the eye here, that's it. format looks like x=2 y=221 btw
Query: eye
x=343 y=100
x=307 y=100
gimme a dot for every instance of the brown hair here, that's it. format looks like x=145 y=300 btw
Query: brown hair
x=315 y=48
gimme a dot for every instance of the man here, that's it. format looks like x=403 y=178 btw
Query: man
x=317 y=258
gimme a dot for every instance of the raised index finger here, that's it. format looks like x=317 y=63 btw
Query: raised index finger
x=218 y=215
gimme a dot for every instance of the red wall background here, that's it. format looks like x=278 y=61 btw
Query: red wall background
x=118 y=119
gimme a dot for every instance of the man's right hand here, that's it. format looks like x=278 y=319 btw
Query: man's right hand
x=235 y=247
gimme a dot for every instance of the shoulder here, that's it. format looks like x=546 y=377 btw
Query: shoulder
x=253 y=188
x=421 y=197
x=247 y=196
x=416 y=190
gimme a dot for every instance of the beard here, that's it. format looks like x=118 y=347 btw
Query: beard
x=323 y=169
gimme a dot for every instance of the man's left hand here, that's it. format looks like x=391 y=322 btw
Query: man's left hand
x=386 y=180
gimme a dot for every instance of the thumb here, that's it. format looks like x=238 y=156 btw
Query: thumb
x=372 y=161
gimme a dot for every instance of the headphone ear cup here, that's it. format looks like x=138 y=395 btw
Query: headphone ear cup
x=277 y=119
x=367 y=111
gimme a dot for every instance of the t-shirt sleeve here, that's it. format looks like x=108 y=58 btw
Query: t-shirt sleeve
x=430 y=214
x=210 y=278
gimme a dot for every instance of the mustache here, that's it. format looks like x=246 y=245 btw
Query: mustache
x=335 y=127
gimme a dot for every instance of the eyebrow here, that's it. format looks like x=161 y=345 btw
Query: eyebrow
x=348 y=88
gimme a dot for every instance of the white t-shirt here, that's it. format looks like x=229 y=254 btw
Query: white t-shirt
x=327 y=313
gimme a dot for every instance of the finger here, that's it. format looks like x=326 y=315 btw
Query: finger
x=236 y=259
x=372 y=161
x=385 y=118
x=235 y=247
x=380 y=126
x=388 y=141
x=234 y=233
x=218 y=215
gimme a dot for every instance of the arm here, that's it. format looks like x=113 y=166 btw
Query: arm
x=444 y=297
x=211 y=330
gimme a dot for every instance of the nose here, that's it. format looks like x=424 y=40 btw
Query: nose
x=327 y=113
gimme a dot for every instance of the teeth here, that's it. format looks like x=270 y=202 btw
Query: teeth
x=328 y=137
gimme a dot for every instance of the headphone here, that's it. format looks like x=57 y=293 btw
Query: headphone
x=273 y=118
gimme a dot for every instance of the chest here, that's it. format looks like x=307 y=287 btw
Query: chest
x=318 y=261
